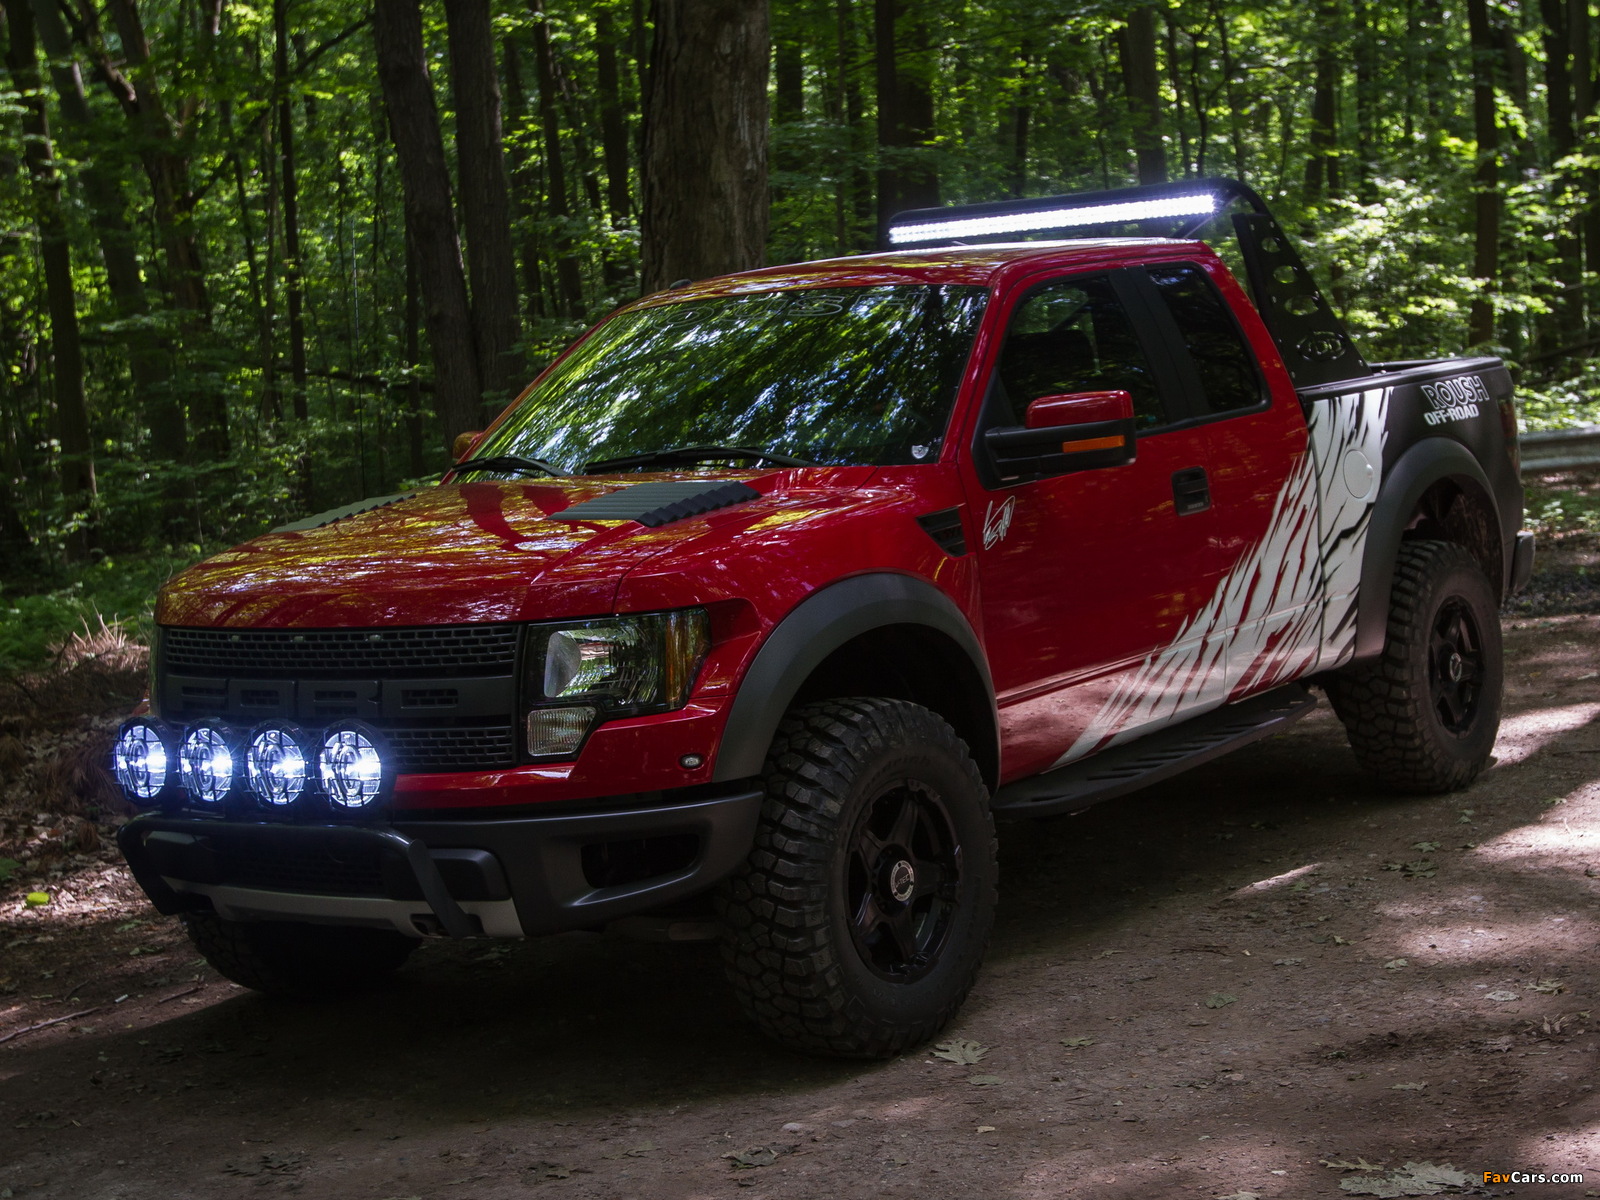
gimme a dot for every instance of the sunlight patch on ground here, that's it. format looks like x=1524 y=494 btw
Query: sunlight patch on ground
x=1526 y=733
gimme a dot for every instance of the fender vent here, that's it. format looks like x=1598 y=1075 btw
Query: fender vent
x=654 y=504
x=944 y=527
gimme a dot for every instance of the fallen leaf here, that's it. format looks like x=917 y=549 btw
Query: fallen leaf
x=1075 y=1043
x=756 y=1156
x=1109 y=953
x=1407 y=1087
x=1502 y=996
x=1287 y=962
x=961 y=1050
x=1220 y=1000
x=986 y=1129
x=1241 y=1196
x=1410 y=1179
x=1549 y=987
x=36 y=899
x=984 y=1080
x=1360 y=1164
x=556 y=1171
x=1426 y=847
x=1394 y=964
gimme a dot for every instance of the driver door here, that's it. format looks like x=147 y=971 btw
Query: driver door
x=1089 y=578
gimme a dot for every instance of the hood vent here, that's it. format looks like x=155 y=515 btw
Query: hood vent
x=653 y=504
x=339 y=514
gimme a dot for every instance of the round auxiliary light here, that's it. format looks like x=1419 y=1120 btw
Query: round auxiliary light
x=353 y=766
x=205 y=763
x=276 y=765
x=142 y=759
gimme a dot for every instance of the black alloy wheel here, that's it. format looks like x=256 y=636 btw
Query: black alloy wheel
x=903 y=882
x=1455 y=654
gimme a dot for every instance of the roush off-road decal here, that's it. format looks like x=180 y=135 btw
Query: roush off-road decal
x=1288 y=607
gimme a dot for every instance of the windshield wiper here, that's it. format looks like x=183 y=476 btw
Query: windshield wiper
x=506 y=462
x=693 y=454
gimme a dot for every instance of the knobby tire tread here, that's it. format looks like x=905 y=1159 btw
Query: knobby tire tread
x=1386 y=707
x=784 y=968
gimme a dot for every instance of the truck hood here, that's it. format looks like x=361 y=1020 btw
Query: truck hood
x=470 y=552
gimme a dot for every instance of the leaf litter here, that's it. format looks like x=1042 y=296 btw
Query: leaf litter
x=1409 y=1179
x=962 y=1051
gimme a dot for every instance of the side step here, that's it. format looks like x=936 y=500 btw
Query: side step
x=1154 y=757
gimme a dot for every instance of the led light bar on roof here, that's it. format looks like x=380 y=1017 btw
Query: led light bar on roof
x=1197 y=204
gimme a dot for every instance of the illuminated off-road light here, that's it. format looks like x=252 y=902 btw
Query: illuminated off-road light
x=142 y=760
x=1198 y=204
x=277 y=766
x=352 y=767
x=205 y=764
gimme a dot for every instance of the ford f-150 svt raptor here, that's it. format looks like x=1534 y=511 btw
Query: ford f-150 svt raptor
x=774 y=590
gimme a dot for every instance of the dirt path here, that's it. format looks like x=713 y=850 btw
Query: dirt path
x=1271 y=967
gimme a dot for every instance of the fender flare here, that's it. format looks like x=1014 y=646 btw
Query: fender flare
x=1418 y=469
x=814 y=629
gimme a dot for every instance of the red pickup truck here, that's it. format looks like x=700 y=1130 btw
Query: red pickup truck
x=761 y=603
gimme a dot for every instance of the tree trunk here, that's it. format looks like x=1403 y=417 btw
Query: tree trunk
x=425 y=183
x=1486 y=176
x=485 y=196
x=905 y=110
x=289 y=197
x=613 y=128
x=149 y=362
x=705 y=162
x=1558 y=123
x=66 y=350
x=525 y=187
x=1136 y=44
x=166 y=164
x=569 y=279
x=1322 y=163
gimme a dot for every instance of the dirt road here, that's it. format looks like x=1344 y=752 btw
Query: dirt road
x=1259 y=979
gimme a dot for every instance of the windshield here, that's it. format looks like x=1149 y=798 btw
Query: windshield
x=831 y=375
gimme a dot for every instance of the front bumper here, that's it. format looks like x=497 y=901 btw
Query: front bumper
x=496 y=878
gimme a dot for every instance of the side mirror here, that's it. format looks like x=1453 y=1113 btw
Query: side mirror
x=463 y=443
x=1084 y=431
x=1079 y=408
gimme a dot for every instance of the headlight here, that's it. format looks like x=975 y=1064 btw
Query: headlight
x=609 y=667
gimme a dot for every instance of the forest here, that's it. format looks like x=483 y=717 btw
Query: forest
x=262 y=257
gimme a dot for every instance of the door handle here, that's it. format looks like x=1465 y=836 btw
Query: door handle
x=1191 y=491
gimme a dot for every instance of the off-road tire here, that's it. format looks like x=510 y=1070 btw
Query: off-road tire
x=826 y=975
x=1406 y=718
x=296 y=960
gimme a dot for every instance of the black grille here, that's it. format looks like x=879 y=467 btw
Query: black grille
x=341 y=653
x=352 y=872
x=458 y=748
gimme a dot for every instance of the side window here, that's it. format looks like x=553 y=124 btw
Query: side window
x=1230 y=380
x=1075 y=336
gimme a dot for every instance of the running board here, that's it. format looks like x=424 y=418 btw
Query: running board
x=1154 y=757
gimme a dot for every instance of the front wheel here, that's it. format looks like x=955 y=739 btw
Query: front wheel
x=857 y=925
x=1424 y=716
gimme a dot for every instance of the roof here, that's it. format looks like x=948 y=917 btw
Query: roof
x=971 y=265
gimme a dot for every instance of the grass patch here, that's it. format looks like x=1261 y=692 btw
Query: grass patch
x=1563 y=505
x=121 y=591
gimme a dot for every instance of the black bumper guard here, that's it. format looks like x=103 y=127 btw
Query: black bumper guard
x=537 y=862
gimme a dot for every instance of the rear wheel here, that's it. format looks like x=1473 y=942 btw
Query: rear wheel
x=1423 y=717
x=284 y=958
x=857 y=925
